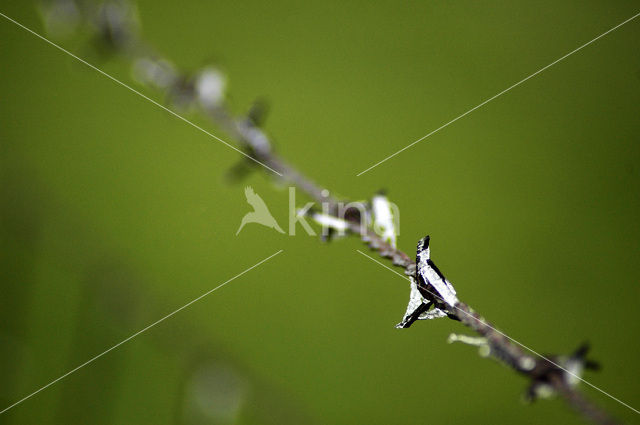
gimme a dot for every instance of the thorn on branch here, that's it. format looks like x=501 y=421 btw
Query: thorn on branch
x=117 y=25
x=258 y=112
x=240 y=170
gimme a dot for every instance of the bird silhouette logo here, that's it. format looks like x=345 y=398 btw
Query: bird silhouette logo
x=260 y=213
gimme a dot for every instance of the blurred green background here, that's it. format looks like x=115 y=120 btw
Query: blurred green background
x=115 y=213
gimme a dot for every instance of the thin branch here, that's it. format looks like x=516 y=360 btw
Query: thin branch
x=115 y=25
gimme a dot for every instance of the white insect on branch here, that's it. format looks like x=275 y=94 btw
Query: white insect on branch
x=418 y=307
x=210 y=87
x=155 y=72
x=429 y=289
x=430 y=278
x=384 y=219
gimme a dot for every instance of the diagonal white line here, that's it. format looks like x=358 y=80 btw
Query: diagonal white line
x=138 y=333
x=138 y=93
x=499 y=94
x=508 y=337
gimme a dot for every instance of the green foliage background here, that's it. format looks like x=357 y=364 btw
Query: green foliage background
x=114 y=213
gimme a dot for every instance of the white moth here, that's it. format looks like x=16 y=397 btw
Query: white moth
x=418 y=308
x=430 y=289
x=210 y=86
x=383 y=219
x=156 y=72
x=432 y=277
